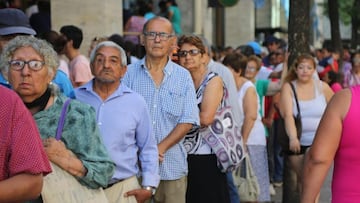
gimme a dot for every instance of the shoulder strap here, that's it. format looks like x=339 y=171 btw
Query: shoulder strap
x=295 y=96
x=62 y=120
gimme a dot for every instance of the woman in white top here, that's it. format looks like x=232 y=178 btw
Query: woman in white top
x=313 y=96
x=252 y=129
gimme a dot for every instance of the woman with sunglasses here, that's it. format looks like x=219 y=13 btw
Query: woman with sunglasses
x=206 y=183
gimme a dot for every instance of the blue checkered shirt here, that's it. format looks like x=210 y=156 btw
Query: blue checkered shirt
x=173 y=102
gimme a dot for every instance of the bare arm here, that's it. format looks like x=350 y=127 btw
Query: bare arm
x=286 y=110
x=275 y=87
x=21 y=187
x=328 y=92
x=250 y=112
x=322 y=152
x=212 y=97
x=173 y=138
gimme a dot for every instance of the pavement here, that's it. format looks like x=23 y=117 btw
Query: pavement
x=325 y=193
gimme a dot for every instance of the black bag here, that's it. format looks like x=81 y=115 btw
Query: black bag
x=283 y=138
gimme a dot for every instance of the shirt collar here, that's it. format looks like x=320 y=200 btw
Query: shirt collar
x=169 y=67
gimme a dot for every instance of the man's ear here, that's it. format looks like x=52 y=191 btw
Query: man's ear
x=142 y=39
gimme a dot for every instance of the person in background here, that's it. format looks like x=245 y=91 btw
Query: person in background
x=272 y=43
x=333 y=79
x=174 y=15
x=13 y=22
x=170 y=95
x=94 y=42
x=79 y=67
x=134 y=25
x=352 y=77
x=336 y=143
x=62 y=73
x=124 y=121
x=252 y=129
x=41 y=21
x=23 y=162
x=206 y=182
x=313 y=96
x=31 y=64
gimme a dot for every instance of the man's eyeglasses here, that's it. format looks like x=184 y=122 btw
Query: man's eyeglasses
x=33 y=64
x=162 y=35
x=192 y=52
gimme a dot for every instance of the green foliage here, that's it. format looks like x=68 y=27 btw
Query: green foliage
x=346 y=10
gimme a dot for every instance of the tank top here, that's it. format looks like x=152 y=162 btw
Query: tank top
x=257 y=133
x=345 y=183
x=311 y=113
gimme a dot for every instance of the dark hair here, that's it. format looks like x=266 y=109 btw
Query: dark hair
x=334 y=77
x=237 y=62
x=73 y=33
x=55 y=39
x=118 y=39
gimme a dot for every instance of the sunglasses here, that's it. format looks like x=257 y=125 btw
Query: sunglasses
x=192 y=52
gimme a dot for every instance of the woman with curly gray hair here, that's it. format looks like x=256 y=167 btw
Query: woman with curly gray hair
x=31 y=65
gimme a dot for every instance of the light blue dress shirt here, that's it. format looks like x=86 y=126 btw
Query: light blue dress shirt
x=170 y=104
x=124 y=122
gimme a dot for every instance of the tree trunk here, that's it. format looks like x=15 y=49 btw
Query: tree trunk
x=335 y=28
x=299 y=24
x=299 y=38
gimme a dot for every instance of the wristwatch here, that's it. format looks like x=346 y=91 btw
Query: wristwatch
x=149 y=188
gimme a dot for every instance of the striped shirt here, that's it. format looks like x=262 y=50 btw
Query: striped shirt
x=171 y=103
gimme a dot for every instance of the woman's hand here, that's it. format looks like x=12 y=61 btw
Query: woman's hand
x=55 y=149
x=294 y=145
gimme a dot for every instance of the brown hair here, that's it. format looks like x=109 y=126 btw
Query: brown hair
x=292 y=74
x=237 y=62
x=256 y=59
x=193 y=40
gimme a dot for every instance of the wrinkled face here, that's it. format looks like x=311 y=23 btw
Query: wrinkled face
x=190 y=57
x=251 y=70
x=107 y=66
x=158 y=38
x=305 y=70
x=28 y=83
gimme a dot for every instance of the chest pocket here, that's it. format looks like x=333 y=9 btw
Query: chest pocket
x=172 y=103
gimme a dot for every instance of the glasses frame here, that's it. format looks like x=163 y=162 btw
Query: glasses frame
x=163 y=36
x=30 y=64
x=191 y=52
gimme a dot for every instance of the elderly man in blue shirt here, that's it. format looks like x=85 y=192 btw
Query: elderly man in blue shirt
x=124 y=122
x=170 y=94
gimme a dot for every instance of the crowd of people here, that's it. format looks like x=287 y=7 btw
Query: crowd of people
x=131 y=115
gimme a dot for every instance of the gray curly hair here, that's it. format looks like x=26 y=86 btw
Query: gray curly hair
x=43 y=48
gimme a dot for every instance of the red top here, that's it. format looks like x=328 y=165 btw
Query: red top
x=21 y=149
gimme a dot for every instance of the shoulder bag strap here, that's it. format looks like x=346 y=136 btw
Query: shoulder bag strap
x=296 y=99
x=62 y=120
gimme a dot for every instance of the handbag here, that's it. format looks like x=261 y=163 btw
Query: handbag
x=224 y=138
x=246 y=182
x=283 y=137
x=60 y=186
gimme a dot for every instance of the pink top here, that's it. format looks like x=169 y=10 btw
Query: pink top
x=346 y=177
x=79 y=69
x=336 y=87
